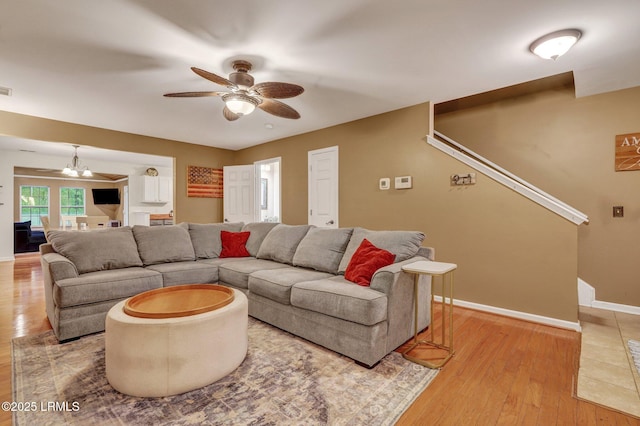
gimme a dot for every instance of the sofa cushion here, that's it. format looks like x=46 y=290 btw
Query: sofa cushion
x=187 y=272
x=205 y=237
x=236 y=273
x=94 y=287
x=322 y=249
x=22 y=226
x=259 y=231
x=161 y=244
x=404 y=244
x=365 y=261
x=275 y=284
x=342 y=299
x=97 y=250
x=234 y=244
x=281 y=243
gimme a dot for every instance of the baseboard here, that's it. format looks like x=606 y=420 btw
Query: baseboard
x=586 y=293
x=7 y=259
x=618 y=307
x=554 y=322
x=587 y=297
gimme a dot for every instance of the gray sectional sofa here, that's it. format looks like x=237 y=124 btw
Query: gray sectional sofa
x=293 y=277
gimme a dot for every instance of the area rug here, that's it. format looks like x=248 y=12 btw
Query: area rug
x=283 y=380
x=634 y=348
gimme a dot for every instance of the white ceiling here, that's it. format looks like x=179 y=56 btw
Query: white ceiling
x=107 y=63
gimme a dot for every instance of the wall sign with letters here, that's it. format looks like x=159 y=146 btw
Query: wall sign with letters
x=627 y=152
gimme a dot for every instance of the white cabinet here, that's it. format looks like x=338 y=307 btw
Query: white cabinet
x=139 y=218
x=156 y=189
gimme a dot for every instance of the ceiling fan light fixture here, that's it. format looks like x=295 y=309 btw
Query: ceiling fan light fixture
x=556 y=44
x=240 y=103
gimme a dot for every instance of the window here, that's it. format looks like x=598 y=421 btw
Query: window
x=72 y=201
x=34 y=202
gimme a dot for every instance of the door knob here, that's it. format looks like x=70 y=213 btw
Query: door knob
x=331 y=222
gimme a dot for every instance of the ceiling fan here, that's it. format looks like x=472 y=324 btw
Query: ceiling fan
x=245 y=96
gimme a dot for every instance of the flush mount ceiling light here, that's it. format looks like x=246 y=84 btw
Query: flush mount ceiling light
x=556 y=44
x=75 y=169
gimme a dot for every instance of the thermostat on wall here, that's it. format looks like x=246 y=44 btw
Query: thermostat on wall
x=385 y=183
x=403 y=182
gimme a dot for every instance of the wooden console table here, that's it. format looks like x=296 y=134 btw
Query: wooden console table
x=427 y=267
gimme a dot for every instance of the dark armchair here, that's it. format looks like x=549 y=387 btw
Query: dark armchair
x=24 y=239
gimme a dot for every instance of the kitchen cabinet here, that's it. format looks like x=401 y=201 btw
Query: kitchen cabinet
x=156 y=189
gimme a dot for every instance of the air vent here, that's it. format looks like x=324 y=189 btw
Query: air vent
x=5 y=91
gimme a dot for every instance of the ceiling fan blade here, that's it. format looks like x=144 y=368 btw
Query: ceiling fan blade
x=193 y=94
x=275 y=90
x=229 y=115
x=278 y=108
x=214 y=77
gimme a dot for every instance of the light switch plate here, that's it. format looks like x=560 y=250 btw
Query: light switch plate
x=385 y=183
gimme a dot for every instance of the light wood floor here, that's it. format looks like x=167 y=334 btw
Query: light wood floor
x=505 y=371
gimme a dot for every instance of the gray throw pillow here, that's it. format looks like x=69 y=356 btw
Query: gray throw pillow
x=257 y=230
x=281 y=242
x=205 y=237
x=97 y=250
x=322 y=249
x=162 y=244
x=404 y=244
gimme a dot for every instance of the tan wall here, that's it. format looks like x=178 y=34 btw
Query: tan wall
x=511 y=253
x=186 y=209
x=565 y=146
x=113 y=211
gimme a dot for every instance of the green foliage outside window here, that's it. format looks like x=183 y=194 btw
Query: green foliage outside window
x=34 y=202
x=72 y=201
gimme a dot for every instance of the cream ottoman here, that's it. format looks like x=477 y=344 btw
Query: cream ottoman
x=159 y=357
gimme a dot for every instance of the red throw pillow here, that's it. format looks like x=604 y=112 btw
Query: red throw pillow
x=365 y=261
x=233 y=244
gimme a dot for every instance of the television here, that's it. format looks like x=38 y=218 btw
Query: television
x=106 y=195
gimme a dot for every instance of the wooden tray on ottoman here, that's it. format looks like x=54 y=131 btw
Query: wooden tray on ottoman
x=178 y=301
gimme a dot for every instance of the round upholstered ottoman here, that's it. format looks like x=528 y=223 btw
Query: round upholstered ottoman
x=151 y=357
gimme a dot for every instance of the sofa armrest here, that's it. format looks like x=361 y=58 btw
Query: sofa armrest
x=399 y=288
x=46 y=248
x=58 y=266
x=385 y=278
x=428 y=252
x=21 y=239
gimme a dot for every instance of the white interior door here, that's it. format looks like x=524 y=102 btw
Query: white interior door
x=239 y=194
x=323 y=187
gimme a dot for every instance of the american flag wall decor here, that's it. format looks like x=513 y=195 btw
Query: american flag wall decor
x=204 y=182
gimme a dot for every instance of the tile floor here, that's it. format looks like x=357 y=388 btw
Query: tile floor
x=607 y=374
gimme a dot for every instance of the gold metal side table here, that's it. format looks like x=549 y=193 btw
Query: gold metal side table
x=427 y=267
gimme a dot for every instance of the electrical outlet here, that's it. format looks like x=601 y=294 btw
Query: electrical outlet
x=618 y=211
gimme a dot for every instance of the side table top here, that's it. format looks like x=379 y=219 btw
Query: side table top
x=429 y=267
